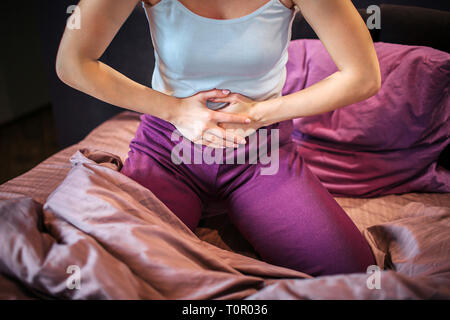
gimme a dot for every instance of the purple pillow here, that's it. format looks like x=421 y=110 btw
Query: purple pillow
x=387 y=144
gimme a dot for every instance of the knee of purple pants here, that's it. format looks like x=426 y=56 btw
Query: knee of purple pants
x=345 y=253
x=317 y=257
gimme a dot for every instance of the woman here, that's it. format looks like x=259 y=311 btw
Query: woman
x=234 y=52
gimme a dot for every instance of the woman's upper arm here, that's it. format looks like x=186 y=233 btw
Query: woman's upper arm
x=344 y=34
x=100 y=22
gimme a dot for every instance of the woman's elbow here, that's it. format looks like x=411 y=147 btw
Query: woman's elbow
x=67 y=67
x=375 y=83
x=62 y=67
x=370 y=84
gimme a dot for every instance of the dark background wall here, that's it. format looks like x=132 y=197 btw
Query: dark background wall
x=432 y=4
x=23 y=80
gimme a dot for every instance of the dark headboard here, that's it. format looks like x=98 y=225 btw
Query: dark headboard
x=399 y=24
x=131 y=53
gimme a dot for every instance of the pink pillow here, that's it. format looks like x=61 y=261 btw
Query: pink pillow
x=387 y=144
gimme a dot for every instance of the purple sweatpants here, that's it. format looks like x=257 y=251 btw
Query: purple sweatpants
x=289 y=217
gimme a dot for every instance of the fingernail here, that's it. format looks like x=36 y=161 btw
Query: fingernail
x=243 y=141
x=225 y=91
x=248 y=120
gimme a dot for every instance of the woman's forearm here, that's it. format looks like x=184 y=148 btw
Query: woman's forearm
x=103 y=82
x=336 y=91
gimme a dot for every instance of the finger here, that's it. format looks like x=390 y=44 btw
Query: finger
x=213 y=137
x=218 y=116
x=202 y=141
x=232 y=97
x=225 y=99
x=211 y=145
x=232 y=136
x=217 y=146
x=214 y=93
x=212 y=140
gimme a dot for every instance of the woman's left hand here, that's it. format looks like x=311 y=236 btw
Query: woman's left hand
x=242 y=105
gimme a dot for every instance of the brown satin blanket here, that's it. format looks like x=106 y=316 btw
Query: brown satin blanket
x=76 y=209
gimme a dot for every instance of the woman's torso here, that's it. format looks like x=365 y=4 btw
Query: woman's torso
x=246 y=54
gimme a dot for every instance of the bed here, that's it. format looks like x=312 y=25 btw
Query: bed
x=73 y=227
x=42 y=230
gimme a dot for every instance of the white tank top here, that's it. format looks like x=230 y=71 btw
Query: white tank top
x=247 y=55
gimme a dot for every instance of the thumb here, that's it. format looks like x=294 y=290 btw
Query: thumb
x=214 y=93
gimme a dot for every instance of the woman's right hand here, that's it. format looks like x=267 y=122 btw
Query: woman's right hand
x=199 y=124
